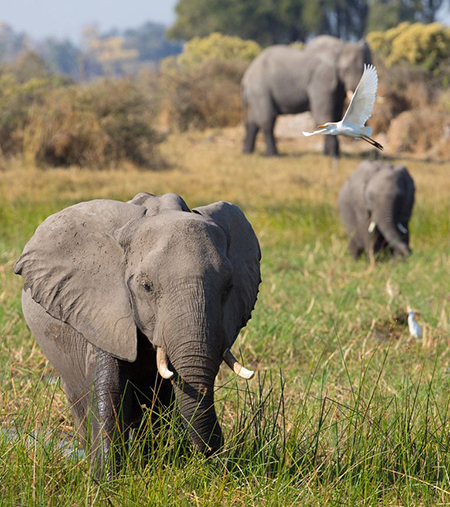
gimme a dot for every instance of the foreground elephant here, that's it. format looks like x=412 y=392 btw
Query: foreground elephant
x=375 y=205
x=116 y=293
x=284 y=80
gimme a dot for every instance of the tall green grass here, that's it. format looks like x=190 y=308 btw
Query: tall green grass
x=346 y=408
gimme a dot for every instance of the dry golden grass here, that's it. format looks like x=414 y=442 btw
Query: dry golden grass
x=204 y=167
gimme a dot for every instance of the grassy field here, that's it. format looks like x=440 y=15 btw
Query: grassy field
x=346 y=408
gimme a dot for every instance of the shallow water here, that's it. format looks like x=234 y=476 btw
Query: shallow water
x=68 y=447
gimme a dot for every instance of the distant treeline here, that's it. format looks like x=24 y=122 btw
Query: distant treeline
x=284 y=21
x=100 y=54
x=120 y=52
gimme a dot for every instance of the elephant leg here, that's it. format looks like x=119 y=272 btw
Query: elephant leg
x=331 y=146
x=69 y=353
x=268 y=131
x=112 y=404
x=324 y=109
x=251 y=131
x=355 y=247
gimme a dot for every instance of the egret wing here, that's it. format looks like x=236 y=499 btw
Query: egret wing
x=363 y=99
x=307 y=134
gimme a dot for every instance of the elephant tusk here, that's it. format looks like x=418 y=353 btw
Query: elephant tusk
x=402 y=228
x=371 y=228
x=236 y=366
x=349 y=95
x=161 y=364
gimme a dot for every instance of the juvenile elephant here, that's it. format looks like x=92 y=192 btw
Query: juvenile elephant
x=375 y=204
x=284 y=80
x=131 y=301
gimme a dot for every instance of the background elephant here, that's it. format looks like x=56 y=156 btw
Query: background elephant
x=284 y=80
x=375 y=204
x=123 y=296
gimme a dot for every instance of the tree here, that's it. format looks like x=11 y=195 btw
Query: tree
x=270 y=21
x=265 y=21
x=61 y=56
x=108 y=51
x=345 y=19
x=385 y=14
x=11 y=43
x=150 y=42
x=283 y=21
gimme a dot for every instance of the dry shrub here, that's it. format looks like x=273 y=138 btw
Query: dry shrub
x=202 y=84
x=417 y=86
x=98 y=125
x=401 y=88
x=423 y=132
x=17 y=96
x=203 y=97
x=389 y=104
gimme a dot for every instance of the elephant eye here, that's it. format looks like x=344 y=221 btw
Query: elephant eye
x=148 y=287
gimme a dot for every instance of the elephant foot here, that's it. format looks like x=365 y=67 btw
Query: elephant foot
x=334 y=156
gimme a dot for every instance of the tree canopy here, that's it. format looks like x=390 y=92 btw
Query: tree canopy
x=283 y=21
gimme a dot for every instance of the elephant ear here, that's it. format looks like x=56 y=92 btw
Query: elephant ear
x=74 y=269
x=409 y=190
x=245 y=256
x=405 y=180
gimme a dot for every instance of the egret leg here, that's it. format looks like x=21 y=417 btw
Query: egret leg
x=372 y=142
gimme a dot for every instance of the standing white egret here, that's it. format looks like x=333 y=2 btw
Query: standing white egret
x=414 y=329
x=358 y=112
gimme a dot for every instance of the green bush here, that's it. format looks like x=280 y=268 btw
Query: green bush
x=217 y=47
x=97 y=125
x=425 y=46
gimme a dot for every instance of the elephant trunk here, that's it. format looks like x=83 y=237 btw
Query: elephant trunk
x=388 y=227
x=193 y=342
x=195 y=397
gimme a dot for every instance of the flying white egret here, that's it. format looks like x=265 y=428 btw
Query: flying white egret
x=358 y=112
x=414 y=329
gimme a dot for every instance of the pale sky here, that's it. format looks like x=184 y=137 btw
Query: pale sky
x=66 y=18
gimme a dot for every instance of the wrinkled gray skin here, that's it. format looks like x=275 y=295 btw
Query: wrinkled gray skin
x=284 y=80
x=379 y=193
x=106 y=282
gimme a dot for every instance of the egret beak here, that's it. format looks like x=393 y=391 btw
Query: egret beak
x=321 y=126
